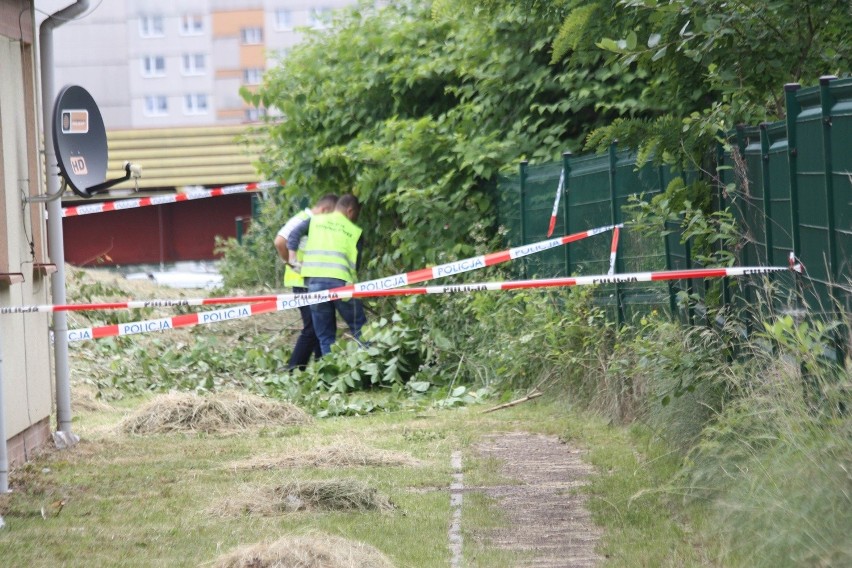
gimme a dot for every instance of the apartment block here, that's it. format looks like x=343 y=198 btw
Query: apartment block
x=176 y=63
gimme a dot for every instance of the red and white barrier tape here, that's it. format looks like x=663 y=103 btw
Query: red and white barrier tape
x=555 y=212
x=163 y=199
x=292 y=301
x=613 y=251
x=163 y=324
x=474 y=263
x=395 y=281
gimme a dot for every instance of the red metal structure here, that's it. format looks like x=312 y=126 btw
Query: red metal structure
x=158 y=234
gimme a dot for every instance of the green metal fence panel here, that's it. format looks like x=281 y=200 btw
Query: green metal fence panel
x=749 y=203
x=788 y=184
x=841 y=160
x=589 y=207
x=638 y=252
x=779 y=216
x=813 y=227
x=541 y=183
x=750 y=208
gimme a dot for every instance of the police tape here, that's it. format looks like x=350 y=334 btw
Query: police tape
x=121 y=204
x=559 y=188
x=395 y=281
x=613 y=251
x=293 y=301
x=473 y=263
x=163 y=324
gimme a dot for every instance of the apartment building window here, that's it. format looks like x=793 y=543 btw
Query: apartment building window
x=153 y=66
x=195 y=103
x=252 y=76
x=194 y=63
x=151 y=26
x=192 y=24
x=283 y=20
x=156 y=105
x=251 y=36
x=254 y=114
x=319 y=18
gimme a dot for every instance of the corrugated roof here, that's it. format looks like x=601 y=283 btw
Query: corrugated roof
x=178 y=157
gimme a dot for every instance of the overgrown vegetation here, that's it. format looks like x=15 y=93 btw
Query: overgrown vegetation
x=750 y=440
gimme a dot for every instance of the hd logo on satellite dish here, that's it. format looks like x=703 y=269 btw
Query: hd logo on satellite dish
x=78 y=165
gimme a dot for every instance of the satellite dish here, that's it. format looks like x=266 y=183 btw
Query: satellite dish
x=80 y=141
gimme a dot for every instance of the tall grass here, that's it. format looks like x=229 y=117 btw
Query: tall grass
x=778 y=471
x=764 y=438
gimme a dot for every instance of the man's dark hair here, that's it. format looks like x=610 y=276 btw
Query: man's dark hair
x=328 y=199
x=348 y=200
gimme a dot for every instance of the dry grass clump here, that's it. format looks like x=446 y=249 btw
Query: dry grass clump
x=222 y=413
x=342 y=454
x=310 y=551
x=85 y=398
x=318 y=495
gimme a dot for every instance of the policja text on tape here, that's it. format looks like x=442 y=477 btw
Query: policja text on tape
x=290 y=301
x=296 y=300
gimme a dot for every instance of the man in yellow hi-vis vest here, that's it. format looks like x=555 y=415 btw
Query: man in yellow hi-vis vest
x=330 y=260
x=307 y=343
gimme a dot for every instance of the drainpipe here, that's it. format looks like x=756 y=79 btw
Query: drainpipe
x=63 y=437
x=4 y=456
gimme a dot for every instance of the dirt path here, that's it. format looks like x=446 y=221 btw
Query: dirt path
x=546 y=515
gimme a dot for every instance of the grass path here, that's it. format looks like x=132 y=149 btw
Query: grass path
x=186 y=499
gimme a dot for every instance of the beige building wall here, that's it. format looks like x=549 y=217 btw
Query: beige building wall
x=24 y=339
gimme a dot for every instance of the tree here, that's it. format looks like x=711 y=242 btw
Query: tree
x=415 y=114
x=720 y=63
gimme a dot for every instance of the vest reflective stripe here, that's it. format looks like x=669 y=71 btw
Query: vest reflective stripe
x=293 y=279
x=332 y=248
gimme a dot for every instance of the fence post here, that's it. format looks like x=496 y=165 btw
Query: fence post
x=669 y=283
x=741 y=146
x=523 y=191
x=721 y=202
x=668 y=250
x=240 y=221
x=767 y=197
x=827 y=101
x=747 y=293
x=690 y=313
x=614 y=215
x=566 y=175
x=793 y=110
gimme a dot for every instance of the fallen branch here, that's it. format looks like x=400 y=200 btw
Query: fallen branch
x=532 y=395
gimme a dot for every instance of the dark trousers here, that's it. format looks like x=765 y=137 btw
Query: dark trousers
x=307 y=343
x=325 y=320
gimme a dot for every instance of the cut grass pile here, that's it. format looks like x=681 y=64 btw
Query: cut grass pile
x=309 y=551
x=349 y=495
x=85 y=398
x=216 y=413
x=343 y=454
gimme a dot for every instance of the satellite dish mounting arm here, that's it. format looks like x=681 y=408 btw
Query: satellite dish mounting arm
x=133 y=171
